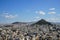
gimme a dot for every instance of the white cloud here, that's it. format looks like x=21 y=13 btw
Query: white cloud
x=9 y=16
x=52 y=12
x=52 y=9
x=40 y=12
x=36 y=18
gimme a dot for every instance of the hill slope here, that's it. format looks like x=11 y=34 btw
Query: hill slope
x=42 y=22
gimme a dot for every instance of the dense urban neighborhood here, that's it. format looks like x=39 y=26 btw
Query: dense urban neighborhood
x=41 y=30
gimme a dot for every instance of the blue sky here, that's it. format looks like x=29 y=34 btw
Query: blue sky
x=29 y=10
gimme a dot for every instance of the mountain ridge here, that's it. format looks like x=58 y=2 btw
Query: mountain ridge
x=42 y=22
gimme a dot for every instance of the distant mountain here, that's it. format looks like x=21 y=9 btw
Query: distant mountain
x=23 y=23
x=19 y=23
x=42 y=22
